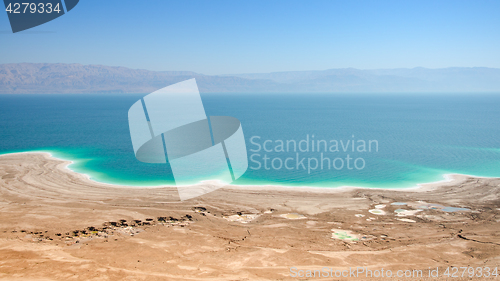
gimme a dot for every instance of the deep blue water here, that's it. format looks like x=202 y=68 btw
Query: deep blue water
x=420 y=137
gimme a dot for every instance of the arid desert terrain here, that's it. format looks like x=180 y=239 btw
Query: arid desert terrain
x=59 y=225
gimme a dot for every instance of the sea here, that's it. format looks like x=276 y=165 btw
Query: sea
x=312 y=140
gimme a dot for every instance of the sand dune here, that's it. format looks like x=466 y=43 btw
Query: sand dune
x=59 y=225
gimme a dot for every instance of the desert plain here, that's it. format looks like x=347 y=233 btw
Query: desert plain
x=56 y=224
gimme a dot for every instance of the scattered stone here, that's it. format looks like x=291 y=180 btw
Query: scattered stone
x=200 y=209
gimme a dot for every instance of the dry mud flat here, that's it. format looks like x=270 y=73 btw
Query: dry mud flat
x=58 y=225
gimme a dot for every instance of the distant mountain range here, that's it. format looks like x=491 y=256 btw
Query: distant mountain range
x=453 y=79
x=77 y=78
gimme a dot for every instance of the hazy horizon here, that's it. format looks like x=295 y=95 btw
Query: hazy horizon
x=78 y=78
x=246 y=72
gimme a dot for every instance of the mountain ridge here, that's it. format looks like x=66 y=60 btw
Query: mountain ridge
x=78 y=78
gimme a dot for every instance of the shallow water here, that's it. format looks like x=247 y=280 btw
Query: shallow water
x=453 y=209
x=419 y=137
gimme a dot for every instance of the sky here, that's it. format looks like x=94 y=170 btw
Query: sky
x=243 y=36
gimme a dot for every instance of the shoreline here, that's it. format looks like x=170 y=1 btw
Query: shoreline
x=448 y=180
x=62 y=223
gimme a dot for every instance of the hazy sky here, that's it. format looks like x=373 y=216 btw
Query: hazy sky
x=246 y=36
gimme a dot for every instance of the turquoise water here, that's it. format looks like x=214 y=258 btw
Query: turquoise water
x=419 y=137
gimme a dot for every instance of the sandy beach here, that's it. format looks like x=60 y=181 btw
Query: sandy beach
x=56 y=224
